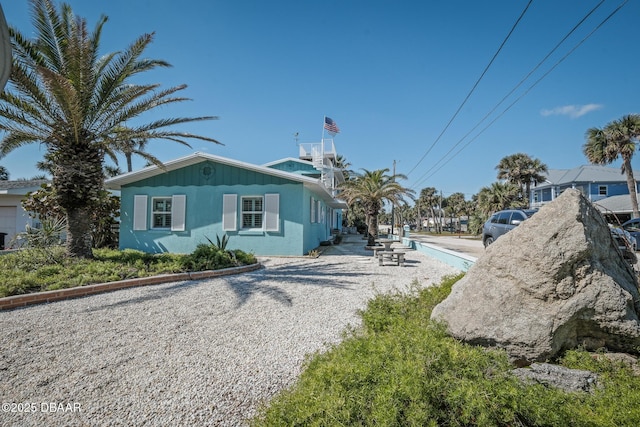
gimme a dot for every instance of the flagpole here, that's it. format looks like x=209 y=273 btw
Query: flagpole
x=324 y=120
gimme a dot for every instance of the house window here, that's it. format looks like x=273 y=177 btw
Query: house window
x=602 y=190
x=252 y=212
x=161 y=213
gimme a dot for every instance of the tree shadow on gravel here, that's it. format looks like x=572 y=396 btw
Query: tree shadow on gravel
x=159 y=291
x=331 y=275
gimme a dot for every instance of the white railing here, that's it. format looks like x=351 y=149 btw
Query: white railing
x=307 y=150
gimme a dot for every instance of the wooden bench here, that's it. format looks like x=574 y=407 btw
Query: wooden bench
x=394 y=256
x=377 y=249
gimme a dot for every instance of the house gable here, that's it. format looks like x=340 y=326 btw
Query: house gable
x=209 y=173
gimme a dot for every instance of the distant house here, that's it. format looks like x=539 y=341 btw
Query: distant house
x=13 y=219
x=286 y=207
x=595 y=182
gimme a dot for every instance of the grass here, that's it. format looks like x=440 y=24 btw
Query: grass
x=401 y=369
x=36 y=270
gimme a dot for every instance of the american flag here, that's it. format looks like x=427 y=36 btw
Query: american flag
x=330 y=125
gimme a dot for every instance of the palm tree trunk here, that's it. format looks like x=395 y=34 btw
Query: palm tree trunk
x=79 y=232
x=77 y=181
x=631 y=184
x=372 y=230
x=129 y=162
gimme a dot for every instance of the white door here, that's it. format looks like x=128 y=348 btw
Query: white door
x=7 y=223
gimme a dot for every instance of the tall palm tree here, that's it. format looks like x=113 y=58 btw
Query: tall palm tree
x=523 y=170
x=617 y=139
x=64 y=95
x=372 y=189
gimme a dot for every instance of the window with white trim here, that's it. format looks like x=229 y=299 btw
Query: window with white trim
x=161 y=212
x=252 y=212
x=602 y=190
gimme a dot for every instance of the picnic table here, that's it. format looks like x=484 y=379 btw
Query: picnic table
x=396 y=257
x=386 y=243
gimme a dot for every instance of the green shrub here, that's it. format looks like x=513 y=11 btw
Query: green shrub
x=401 y=369
x=39 y=269
x=213 y=257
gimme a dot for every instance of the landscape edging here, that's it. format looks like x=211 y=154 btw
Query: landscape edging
x=17 y=301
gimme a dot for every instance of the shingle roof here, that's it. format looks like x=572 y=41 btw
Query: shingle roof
x=21 y=186
x=617 y=204
x=584 y=173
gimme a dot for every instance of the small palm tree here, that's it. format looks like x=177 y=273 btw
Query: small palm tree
x=456 y=206
x=66 y=96
x=499 y=196
x=522 y=170
x=617 y=139
x=372 y=189
x=427 y=201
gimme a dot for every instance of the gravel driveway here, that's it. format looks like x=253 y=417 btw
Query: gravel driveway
x=194 y=353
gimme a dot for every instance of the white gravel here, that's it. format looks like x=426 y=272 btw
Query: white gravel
x=195 y=353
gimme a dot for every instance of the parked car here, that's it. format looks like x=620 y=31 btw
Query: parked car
x=633 y=227
x=625 y=242
x=503 y=221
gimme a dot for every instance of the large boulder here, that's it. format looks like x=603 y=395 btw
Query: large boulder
x=555 y=282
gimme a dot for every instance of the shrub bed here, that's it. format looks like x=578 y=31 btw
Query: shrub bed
x=36 y=269
x=401 y=369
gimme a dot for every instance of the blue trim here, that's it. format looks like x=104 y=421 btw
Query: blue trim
x=456 y=260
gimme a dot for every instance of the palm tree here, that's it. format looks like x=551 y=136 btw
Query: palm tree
x=124 y=142
x=66 y=96
x=372 y=189
x=428 y=200
x=4 y=174
x=499 y=196
x=455 y=206
x=522 y=170
x=617 y=139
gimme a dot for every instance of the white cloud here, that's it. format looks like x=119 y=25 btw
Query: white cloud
x=573 y=111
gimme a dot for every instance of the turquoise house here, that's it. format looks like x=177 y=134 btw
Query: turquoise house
x=286 y=207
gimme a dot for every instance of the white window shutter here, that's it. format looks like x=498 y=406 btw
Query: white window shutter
x=229 y=212
x=313 y=210
x=178 y=212
x=272 y=212
x=139 y=212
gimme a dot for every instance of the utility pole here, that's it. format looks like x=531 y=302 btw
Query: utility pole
x=393 y=205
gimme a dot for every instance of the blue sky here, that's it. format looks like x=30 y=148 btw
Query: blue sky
x=390 y=74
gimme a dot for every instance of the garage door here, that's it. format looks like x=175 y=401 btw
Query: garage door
x=8 y=222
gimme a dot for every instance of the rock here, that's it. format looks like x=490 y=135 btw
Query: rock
x=558 y=376
x=555 y=282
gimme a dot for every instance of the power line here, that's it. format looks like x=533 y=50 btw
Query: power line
x=527 y=91
x=525 y=78
x=473 y=88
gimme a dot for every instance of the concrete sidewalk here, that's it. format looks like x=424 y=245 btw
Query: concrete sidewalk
x=466 y=245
